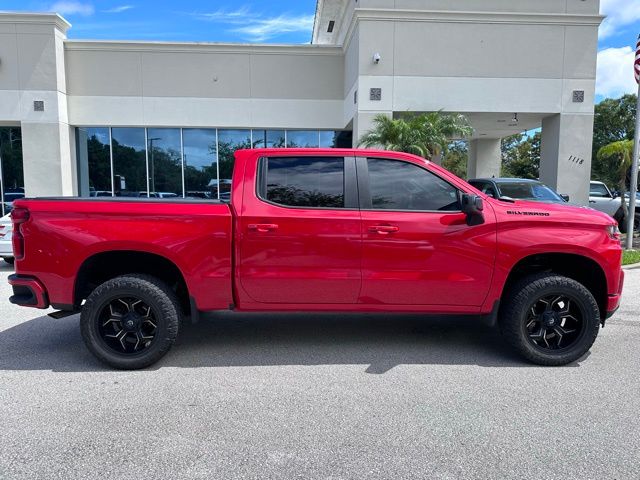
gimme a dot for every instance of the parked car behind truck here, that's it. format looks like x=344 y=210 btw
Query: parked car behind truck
x=6 y=250
x=601 y=198
x=518 y=188
x=320 y=230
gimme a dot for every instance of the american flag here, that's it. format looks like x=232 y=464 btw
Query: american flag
x=637 y=63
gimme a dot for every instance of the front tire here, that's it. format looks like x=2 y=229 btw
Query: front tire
x=550 y=319
x=131 y=321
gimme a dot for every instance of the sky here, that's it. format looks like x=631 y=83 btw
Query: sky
x=291 y=21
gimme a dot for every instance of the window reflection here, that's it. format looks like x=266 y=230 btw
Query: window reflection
x=268 y=138
x=306 y=182
x=94 y=152
x=328 y=138
x=165 y=162
x=200 y=163
x=129 y=162
x=228 y=142
x=302 y=138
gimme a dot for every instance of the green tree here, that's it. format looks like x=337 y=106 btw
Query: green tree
x=456 y=158
x=521 y=156
x=614 y=122
x=99 y=156
x=617 y=156
x=427 y=135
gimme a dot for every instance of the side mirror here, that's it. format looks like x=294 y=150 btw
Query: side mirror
x=472 y=206
x=565 y=197
x=615 y=194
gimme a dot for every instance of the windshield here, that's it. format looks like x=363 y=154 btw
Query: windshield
x=529 y=191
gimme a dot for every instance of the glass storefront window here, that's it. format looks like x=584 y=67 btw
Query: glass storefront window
x=11 y=171
x=200 y=163
x=165 y=162
x=343 y=139
x=328 y=138
x=175 y=162
x=129 y=162
x=302 y=138
x=94 y=151
x=228 y=142
x=268 y=138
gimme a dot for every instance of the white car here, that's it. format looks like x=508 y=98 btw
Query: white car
x=603 y=200
x=6 y=250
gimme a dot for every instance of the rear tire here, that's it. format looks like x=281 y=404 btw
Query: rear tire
x=9 y=260
x=550 y=319
x=130 y=322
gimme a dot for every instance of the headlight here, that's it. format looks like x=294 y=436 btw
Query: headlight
x=613 y=232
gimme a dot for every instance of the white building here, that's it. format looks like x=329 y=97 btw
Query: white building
x=114 y=117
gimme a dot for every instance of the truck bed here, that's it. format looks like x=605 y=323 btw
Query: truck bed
x=194 y=234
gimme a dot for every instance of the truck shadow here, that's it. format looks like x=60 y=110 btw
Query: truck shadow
x=378 y=342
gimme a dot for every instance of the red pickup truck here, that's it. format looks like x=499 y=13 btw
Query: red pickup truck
x=320 y=230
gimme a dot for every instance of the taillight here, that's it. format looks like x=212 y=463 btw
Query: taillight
x=19 y=216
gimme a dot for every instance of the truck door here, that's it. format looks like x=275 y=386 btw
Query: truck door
x=417 y=248
x=300 y=231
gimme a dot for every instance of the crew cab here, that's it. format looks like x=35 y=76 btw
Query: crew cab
x=320 y=230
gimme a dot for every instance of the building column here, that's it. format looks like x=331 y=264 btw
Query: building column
x=565 y=155
x=485 y=158
x=48 y=159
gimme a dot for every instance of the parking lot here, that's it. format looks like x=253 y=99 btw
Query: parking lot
x=327 y=396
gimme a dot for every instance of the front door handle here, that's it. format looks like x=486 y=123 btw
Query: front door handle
x=384 y=229
x=263 y=227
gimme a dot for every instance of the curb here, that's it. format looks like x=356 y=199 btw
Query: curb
x=633 y=266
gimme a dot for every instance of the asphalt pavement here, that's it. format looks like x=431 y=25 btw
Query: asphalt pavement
x=318 y=396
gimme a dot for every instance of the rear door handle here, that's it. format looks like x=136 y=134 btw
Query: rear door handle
x=263 y=227
x=383 y=229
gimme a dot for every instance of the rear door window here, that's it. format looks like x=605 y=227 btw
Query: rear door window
x=306 y=182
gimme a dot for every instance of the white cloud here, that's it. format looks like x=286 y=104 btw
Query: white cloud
x=620 y=13
x=71 y=7
x=120 y=9
x=256 y=27
x=241 y=15
x=263 y=29
x=615 y=72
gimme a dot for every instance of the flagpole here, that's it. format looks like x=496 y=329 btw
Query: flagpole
x=634 y=165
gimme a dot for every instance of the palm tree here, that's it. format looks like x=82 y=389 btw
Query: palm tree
x=427 y=135
x=400 y=135
x=618 y=156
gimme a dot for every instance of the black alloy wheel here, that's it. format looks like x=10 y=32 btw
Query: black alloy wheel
x=554 y=322
x=127 y=325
